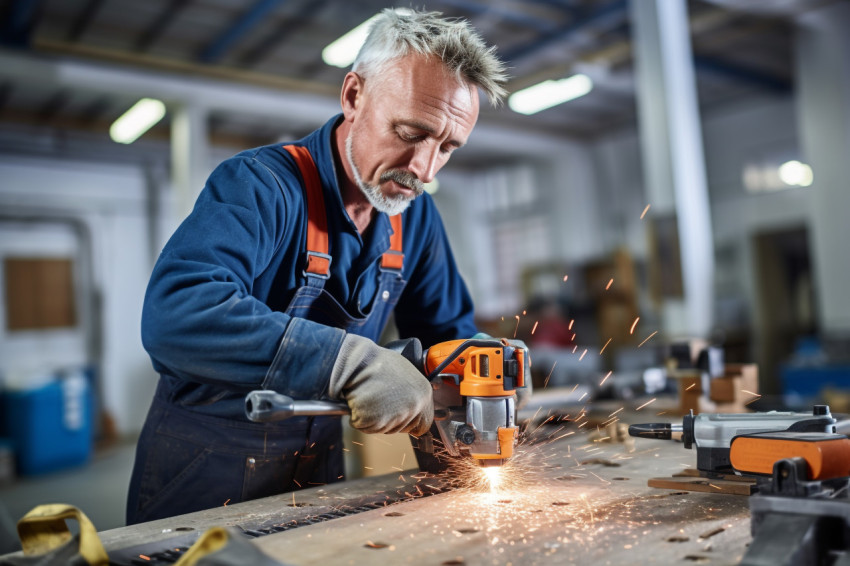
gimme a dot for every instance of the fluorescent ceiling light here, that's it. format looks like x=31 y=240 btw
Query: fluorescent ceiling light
x=137 y=120
x=342 y=51
x=796 y=173
x=549 y=93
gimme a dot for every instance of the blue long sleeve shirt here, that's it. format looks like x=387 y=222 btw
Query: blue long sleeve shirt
x=213 y=320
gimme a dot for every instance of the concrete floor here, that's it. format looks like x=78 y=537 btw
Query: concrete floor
x=98 y=489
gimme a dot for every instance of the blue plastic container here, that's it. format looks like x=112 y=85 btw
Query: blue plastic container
x=51 y=426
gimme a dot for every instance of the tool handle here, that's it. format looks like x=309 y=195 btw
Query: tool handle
x=264 y=406
x=663 y=431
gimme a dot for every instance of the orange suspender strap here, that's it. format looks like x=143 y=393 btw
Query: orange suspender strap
x=394 y=258
x=318 y=260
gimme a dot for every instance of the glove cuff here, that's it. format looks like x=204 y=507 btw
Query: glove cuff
x=354 y=354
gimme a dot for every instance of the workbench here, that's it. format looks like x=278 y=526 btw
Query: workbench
x=571 y=497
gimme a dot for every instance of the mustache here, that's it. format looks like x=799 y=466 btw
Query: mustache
x=405 y=178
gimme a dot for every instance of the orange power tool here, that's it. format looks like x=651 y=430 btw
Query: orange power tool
x=474 y=383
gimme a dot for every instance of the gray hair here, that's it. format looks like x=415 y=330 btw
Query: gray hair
x=396 y=33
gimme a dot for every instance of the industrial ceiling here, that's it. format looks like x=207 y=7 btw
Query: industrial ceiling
x=741 y=47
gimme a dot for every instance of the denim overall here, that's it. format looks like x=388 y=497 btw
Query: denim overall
x=186 y=461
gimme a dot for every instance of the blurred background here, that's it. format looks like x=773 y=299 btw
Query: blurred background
x=684 y=191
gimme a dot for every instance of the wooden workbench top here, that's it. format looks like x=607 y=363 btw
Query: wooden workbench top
x=571 y=501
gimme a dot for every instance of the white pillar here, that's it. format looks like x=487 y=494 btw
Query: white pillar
x=189 y=155
x=823 y=111
x=672 y=154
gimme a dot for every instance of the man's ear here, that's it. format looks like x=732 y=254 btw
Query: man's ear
x=352 y=94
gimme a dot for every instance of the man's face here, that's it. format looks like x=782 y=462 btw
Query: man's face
x=405 y=126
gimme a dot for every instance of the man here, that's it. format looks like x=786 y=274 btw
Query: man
x=238 y=301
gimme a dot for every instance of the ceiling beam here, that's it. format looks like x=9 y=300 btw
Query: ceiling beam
x=539 y=25
x=16 y=29
x=609 y=10
x=71 y=52
x=153 y=31
x=82 y=21
x=738 y=73
x=215 y=51
x=280 y=33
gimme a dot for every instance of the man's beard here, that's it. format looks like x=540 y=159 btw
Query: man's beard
x=390 y=204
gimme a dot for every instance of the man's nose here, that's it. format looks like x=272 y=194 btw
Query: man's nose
x=425 y=162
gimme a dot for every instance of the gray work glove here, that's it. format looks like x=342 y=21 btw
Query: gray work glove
x=523 y=394
x=385 y=392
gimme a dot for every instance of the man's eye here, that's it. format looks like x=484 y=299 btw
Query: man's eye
x=410 y=137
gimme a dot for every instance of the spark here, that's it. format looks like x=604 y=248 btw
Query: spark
x=367 y=468
x=546 y=382
x=617 y=411
x=606 y=345
x=535 y=327
x=583 y=395
x=581 y=357
x=645 y=404
x=517 y=324
x=691 y=386
x=226 y=502
x=575 y=348
x=357 y=443
x=599 y=478
x=565 y=277
x=632 y=330
x=647 y=339
x=610 y=282
x=570 y=327
x=750 y=393
x=573 y=337
x=607 y=375
x=645 y=210
x=564 y=435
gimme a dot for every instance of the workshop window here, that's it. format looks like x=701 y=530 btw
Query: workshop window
x=39 y=293
x=516 y=222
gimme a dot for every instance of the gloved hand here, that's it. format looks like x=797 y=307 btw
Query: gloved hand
x=385 y=392
x=523 y=394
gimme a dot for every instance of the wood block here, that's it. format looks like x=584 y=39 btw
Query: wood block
x=725 y=389
x=731 y=485
x=739 y=385
x=749 y=374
